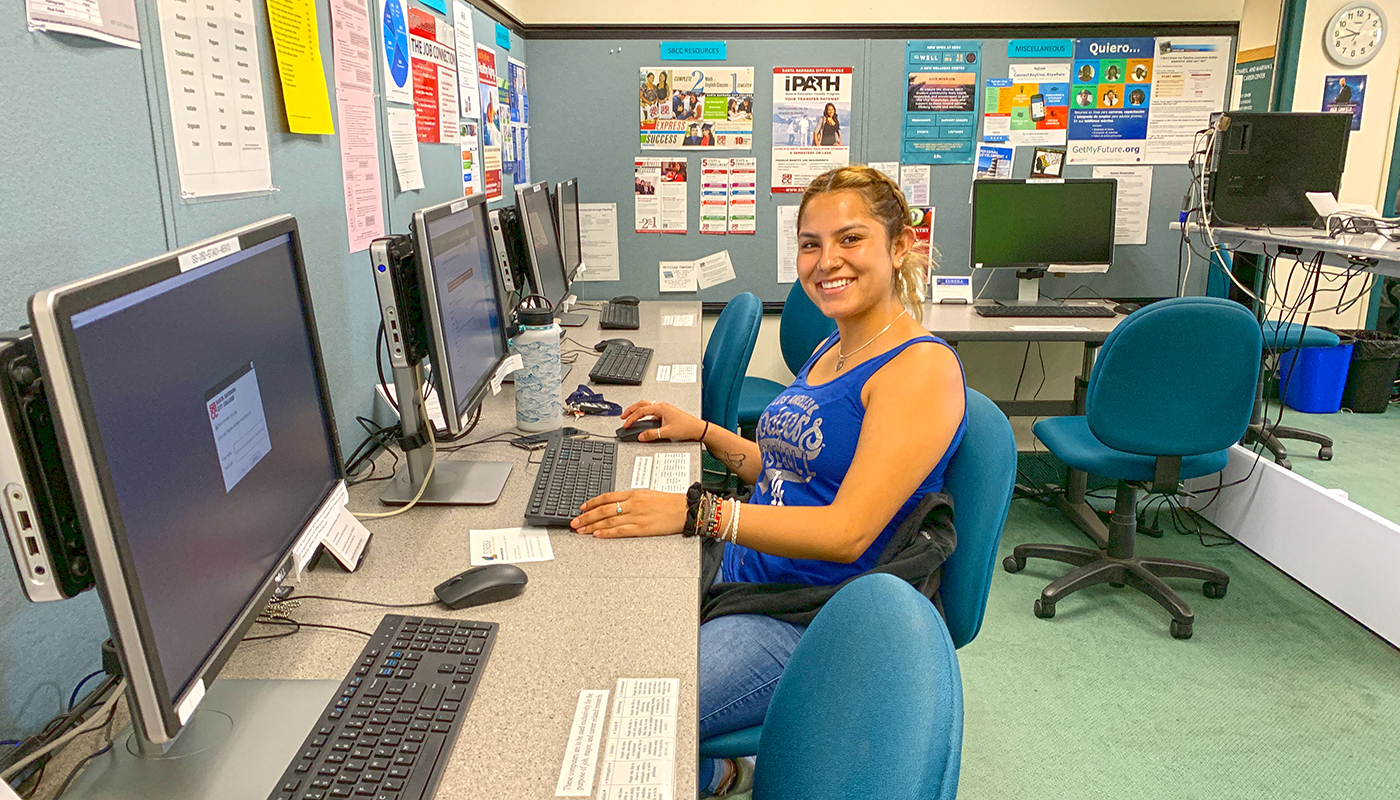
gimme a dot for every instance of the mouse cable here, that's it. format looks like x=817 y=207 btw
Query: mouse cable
x=281 y=620
x=290 y=598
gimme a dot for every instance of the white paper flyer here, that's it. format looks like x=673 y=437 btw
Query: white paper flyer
x=714 y=195
x=743 y=195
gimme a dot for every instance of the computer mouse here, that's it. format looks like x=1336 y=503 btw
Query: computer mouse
x=626 y=300
x=630 y=434
x=481 y=585
x=1126 y=308
x=603 y=344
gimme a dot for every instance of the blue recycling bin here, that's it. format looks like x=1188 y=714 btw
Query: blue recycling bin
x=1311 y=379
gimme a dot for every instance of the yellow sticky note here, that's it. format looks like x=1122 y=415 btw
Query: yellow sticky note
x=298 y=47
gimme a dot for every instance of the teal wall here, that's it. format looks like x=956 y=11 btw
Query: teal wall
x=90 y=185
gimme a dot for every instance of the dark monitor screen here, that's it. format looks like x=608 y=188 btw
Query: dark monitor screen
x=467 y=340
x=542 y=244
x=566 y=210
x=198 y=391
x=1021 y=224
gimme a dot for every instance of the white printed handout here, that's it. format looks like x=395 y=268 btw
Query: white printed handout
x=678 y=276
x=787 y=244
x=913 y=181
x=471 y=161
x=1134 y=194
x=398 y=78
x=213 y=79
x=434 y=56
x=469 y=103
x=359 y=136
x=703 y=107
x=811 y=124
x=510 y=546
x=403 y=142
x=1189 y=79
x=674 y=196
x=743 y=194
x=239 y=424
x=714 y=269
x=346 y=539
x=640 y=759
x=890 y=169
x=684 y=373
x=597 y=225
x=714 y=195
x=111 y=21
x=581 y=753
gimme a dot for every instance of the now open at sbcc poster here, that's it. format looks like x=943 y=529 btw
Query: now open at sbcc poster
x=703 y=108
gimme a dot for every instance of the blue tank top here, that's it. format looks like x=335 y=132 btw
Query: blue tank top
x=807 y=440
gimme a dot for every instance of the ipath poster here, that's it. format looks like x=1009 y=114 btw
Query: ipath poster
x=704 y=108
x=491 y=128
x=434 y=53
x=811 y=124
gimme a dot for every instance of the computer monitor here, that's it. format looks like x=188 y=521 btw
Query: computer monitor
x=543 y=248
x=566 y=213
x=1037 y=226
x=451 y=274
x=192 y=408
x=1263 y=165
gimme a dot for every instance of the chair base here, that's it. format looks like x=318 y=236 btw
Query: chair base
x=1114 y=563
x=1269 y=435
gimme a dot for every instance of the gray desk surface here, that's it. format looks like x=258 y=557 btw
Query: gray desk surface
x=960 y=323
x=1340 y=251
x=603 y=609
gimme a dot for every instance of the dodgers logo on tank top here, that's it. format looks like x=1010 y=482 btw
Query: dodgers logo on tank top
x=791 y=441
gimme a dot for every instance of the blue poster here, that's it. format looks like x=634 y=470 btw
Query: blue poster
x=1109 y=100
x=940 y=112
x=1345 y=94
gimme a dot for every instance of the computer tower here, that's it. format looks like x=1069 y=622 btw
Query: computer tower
x=37 y=510
x=1263 y=165
x=508 y=246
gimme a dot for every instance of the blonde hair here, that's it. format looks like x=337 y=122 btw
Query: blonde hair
x=888 y=206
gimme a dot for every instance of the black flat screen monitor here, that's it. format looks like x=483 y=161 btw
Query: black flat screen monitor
x=542 y=243
x=192 y=406
x=1037 y=225
x=566 y=212
x=1263 y=166
x=461 y=299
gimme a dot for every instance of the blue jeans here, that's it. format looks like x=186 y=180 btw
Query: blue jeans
x=742 y=656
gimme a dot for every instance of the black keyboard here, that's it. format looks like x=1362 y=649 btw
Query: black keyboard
x=388 y=732
x=620 y=316
x=623 y=364
x=573 y=470
x=1044 y=311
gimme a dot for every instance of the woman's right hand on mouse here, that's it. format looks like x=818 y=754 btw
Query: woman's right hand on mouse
x=676 y=425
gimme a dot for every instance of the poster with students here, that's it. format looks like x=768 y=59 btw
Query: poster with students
x=811 y=124
x=492 y=131
x=701 y=108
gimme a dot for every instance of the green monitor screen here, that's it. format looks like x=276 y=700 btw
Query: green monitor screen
x=1030 y=225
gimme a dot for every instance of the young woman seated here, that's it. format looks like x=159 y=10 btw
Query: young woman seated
x=842 y=456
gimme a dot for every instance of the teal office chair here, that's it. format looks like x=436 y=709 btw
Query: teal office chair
x=1278 y=337
x=726 y=359
x=801 y=328
x=981 y=477
x=870 y=705
x=1171 y=391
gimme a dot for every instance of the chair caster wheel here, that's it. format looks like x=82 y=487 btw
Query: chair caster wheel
x=1181 y=630
x=1013 y=564
x=1046 y=610
x=1325 y=454
x=1214 y=590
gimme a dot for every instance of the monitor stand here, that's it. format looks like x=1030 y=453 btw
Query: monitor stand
x=571 y=320
x=236 y=747
x=1028 y=290
x=453 y=483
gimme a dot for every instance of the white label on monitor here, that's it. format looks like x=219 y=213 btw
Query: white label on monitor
x=457 y=206
x=239 y=424
x=191 y=701
x=202 y=256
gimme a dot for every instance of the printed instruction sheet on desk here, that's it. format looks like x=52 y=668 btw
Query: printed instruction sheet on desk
x=510 y=546
x=663 y=472
x=640 y=760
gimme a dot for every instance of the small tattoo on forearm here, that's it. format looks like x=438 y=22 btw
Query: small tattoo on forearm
x=734 y=460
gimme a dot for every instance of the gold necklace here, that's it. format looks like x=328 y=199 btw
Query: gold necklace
x=841 y=357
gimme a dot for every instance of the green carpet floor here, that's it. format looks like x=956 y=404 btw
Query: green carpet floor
x=1366 y=456
x=1277 y=695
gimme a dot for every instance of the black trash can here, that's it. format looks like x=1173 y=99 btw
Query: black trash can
x=1374 y=362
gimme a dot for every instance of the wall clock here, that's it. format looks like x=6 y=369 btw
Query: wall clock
x=1355 y=33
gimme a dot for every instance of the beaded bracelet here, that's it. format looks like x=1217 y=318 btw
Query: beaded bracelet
x=731 y=531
